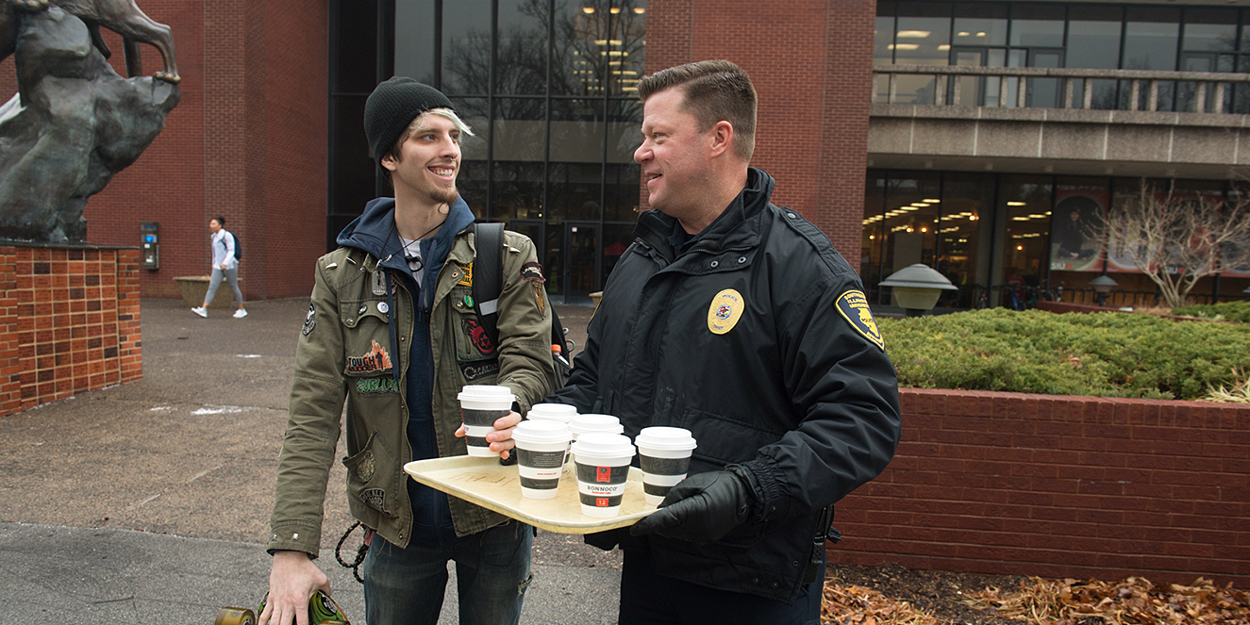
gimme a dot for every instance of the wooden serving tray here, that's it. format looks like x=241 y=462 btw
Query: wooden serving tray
x=487 y=483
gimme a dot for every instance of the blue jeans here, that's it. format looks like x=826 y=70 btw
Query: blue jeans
x=406 y=586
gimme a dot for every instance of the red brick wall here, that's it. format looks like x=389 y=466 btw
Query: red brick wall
x=811 y=63
x=1059 y=487
x=69 y=322
x=247 y=141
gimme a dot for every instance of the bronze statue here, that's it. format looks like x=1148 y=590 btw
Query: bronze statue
x=120 y=16
x=76 y=123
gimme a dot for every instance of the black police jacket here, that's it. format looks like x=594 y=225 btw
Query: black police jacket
x=758 y=340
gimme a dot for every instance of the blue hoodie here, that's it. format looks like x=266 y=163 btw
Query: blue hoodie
x=374 y=232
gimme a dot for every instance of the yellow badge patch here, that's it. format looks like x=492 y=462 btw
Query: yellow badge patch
x=854 y=308
x=725 y=311
x=467 y=280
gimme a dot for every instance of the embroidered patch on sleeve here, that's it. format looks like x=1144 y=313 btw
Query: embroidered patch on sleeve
x=532 y=271
x=853 y=307
x=310 y=321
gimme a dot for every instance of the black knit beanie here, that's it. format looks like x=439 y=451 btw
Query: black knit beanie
x=392 y=106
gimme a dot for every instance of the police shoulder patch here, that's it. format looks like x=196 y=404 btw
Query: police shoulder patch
x=853 y=306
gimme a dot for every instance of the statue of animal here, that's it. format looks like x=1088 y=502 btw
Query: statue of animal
x=120 y=16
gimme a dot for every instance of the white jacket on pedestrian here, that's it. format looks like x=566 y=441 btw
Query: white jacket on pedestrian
x=223 y=250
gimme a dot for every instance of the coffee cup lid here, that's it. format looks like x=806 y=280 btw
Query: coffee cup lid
x=542 y=432
x=664 y=437
x=582 y=424
x=603 y=444
x=560 y=412
x=485 y=392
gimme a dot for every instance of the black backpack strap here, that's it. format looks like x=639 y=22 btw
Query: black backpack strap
x=488 y=276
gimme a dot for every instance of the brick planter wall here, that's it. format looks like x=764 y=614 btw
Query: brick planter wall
x=69 y=322
x=1058 y=486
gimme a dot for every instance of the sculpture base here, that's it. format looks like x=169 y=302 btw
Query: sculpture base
x=69 y=321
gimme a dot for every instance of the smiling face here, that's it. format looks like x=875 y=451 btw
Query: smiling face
x=675 y=156
x=427 y=162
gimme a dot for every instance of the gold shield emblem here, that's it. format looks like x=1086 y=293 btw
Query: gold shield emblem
x=725 y=311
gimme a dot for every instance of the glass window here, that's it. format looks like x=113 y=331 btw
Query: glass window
x=466 y=47
x=473 y=180
x=1037 y=25
x=521 y=48
x=910 y=219
x=980 y=24
x=873 y=235
x=1024 y=211
x=964 y=250
x=517 y=145
x=922 y=38
x=883 y=49
x=1094 y=43
x=582 y=46
x=356 y=45
x=1210 y=30
x=414 y=39
x=616 y=239
x=1151 y=38
x=627 y=24
x=622 y=175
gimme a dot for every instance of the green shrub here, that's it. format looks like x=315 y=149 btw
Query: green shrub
x=1228 y=311
x=1102 y=354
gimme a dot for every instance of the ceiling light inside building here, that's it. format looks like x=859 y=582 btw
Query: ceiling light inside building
x=904 y=46
x=588 y=10
x=614 y=10
x=913 y=34
x=639 y=10
x=1015 y=203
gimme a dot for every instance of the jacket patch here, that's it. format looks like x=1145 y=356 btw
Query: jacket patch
x=374 y=498
x=854 y=308
x=478 y=336
x=310 y=321
x=477 y=370
x=379 y=283
x=532 y=271
x=375 y=361
x=366 y=467
x=372 y=386
x=538 y=297
x=725 y=311
x=467 y=280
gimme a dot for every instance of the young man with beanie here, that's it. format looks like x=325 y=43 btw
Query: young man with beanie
x=391 y=329
x=792 y=400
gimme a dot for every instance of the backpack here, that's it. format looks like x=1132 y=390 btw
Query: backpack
x=238 y=250
x=488 y=283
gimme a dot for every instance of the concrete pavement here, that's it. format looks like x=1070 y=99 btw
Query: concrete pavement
x=149 y=502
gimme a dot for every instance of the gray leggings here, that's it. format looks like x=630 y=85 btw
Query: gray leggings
x=232 y=277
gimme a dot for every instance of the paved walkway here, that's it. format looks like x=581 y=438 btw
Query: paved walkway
x=149 y=502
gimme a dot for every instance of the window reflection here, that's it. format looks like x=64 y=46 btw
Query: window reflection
x=521 y=48
x=599 y=47
x=466 y=47
x=1025 y=204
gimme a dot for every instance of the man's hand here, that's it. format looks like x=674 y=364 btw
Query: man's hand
x=701 y=508
x=292 y=581
x=501 y=439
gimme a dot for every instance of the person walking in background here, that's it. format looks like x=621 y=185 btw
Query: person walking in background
x=224 y=265
x=734 y=318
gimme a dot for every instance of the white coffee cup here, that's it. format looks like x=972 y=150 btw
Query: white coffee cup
x=664 y=457
x=480 y=406
x=604 y=423
x=602 y=462
x=563 y=413
x=540 y=449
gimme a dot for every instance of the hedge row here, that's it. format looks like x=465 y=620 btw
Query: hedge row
x=1227 y=311
x=1101 y=354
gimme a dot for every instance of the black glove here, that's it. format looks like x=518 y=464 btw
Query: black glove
x=701 y=508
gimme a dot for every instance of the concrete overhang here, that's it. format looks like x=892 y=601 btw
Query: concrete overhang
x=1059 y=141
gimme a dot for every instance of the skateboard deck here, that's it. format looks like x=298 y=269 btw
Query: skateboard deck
x=485 y=482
